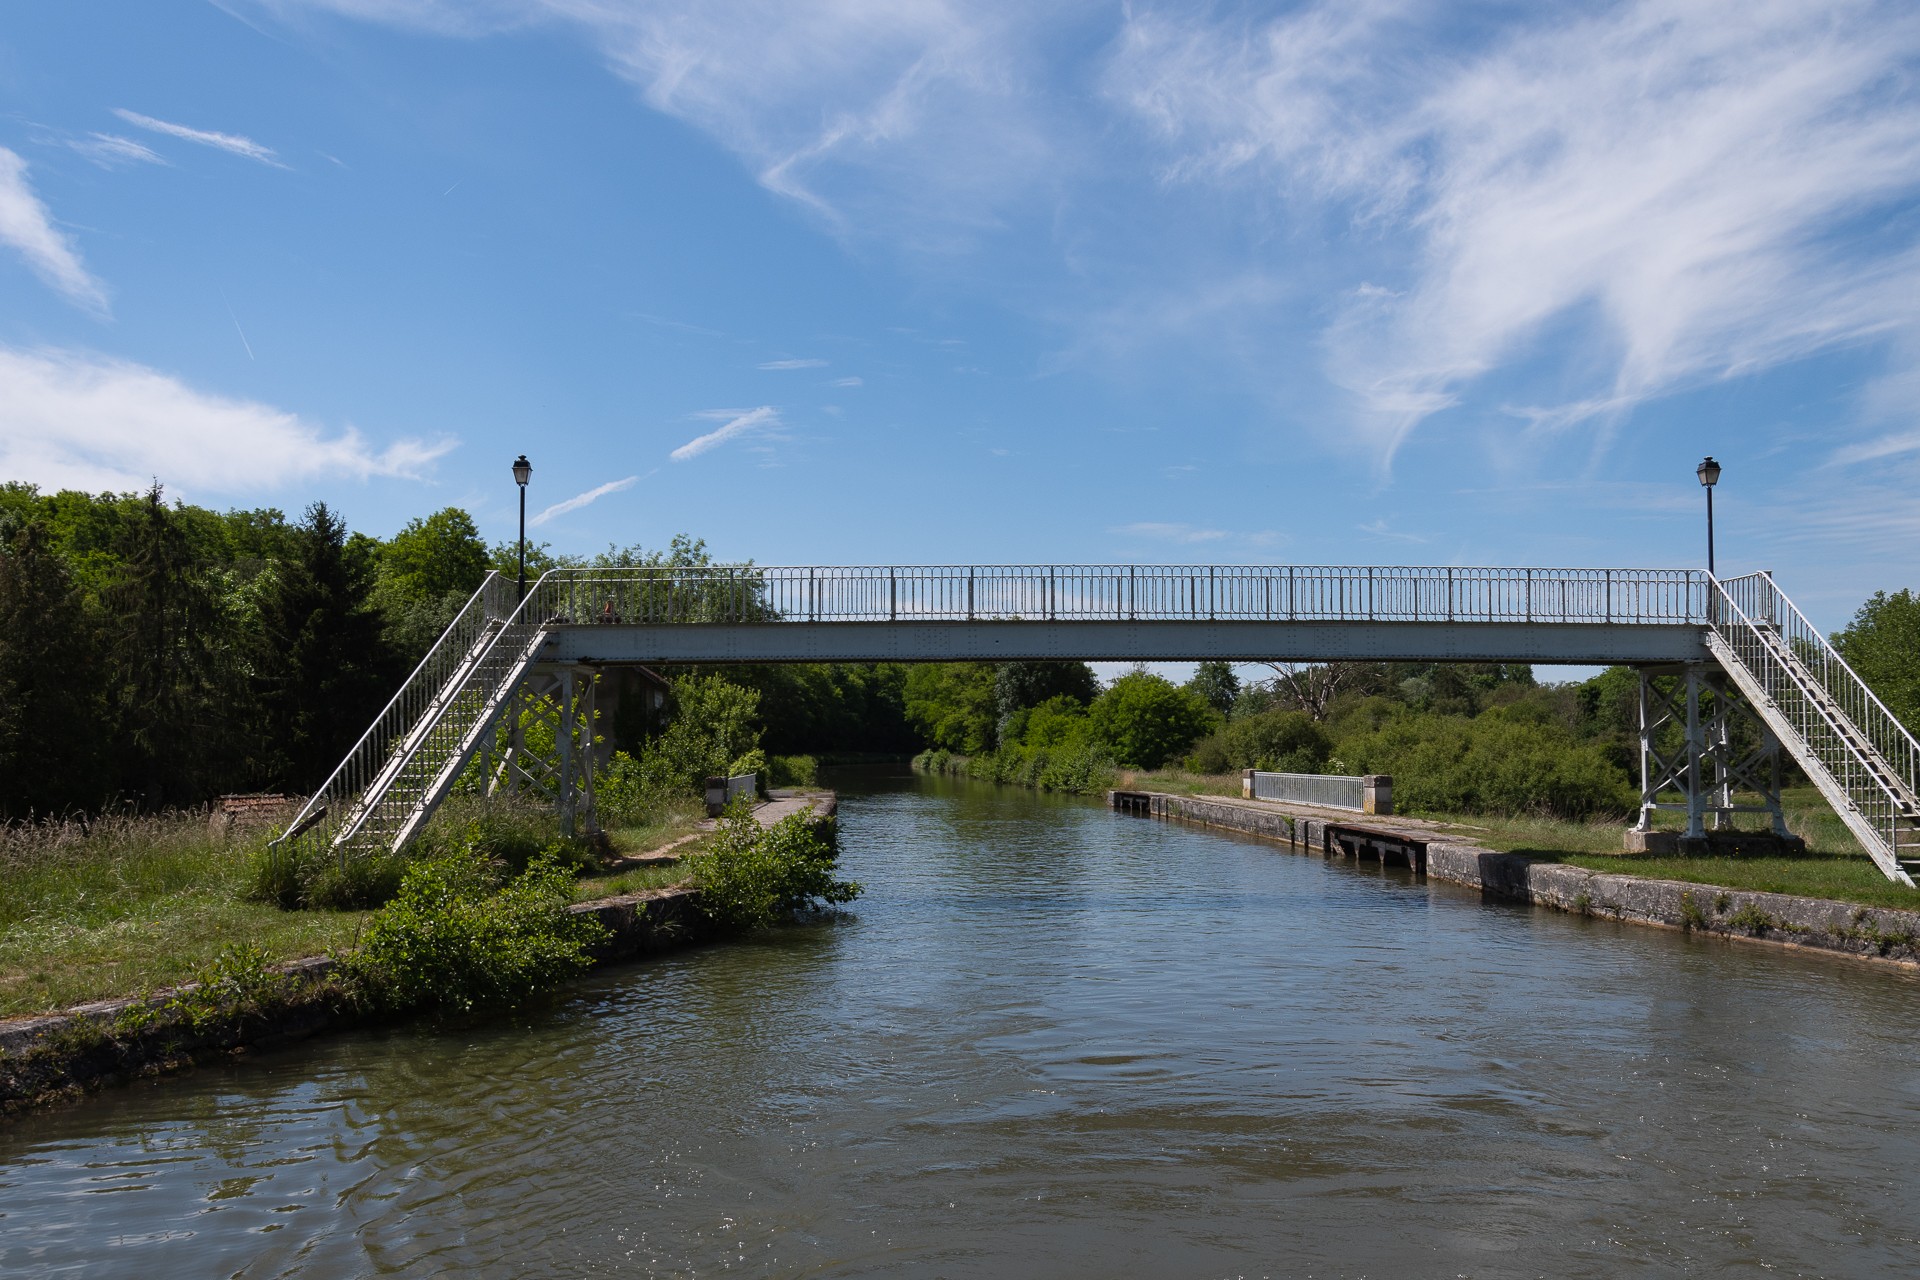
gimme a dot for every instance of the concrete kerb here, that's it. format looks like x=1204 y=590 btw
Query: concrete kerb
x=1876 y=933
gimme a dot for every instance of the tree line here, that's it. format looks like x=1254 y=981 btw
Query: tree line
x=156 y=654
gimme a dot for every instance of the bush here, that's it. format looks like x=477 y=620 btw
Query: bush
x=1148 y=720
x=1492 y=764
x=453 y=940
x=1278 y=741
x=792 y=771
x=750 y=877
x=299 y=875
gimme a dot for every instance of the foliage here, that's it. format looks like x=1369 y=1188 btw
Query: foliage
x=50 y=744
x=1882 y=645
x=456 y=939
x=1147 y=720
x=434 y=556
x=1280 y=741
x=820 y=708
x=323 y=669
x=953 y=704
x=751 y=877
x=1497 y=763
x=1217 y=685
x=509 y=836
x=792 y=771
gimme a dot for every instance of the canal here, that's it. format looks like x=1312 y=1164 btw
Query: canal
x=1050 y=1041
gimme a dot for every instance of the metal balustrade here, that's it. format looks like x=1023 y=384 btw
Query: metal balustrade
x=1077 y=593
x=1330 y=791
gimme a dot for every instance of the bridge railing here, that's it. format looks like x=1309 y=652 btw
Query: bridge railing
x=1080 y=593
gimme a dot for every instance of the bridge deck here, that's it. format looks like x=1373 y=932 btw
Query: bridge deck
x=1637 y=643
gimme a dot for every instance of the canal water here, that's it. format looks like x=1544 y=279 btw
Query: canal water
x=1051 y=1041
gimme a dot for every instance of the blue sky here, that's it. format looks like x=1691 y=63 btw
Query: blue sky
x=880 y=280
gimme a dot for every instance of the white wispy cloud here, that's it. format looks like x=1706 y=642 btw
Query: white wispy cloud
x=1672 y=180
x=580 y=500
x=849 y=382
x=27 y=227
x=909 y=115
x=1159 y=531
x=110 y=150
x=752 y=422
x=72 y=419
x=793 y=364
x=232 y=143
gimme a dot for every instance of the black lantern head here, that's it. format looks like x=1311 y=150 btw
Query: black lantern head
x=1709 y=472
x=523 y=470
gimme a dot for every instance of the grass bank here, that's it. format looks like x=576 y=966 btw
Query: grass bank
x=127 y=904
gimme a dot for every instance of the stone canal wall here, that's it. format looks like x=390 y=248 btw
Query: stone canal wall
x=1878 y=933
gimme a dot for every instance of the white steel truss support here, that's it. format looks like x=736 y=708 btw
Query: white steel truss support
x=551 y=748
x=1708 y=765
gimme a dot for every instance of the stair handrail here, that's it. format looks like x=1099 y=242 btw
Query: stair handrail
x=1894 y=741
x=1872 y=811
x=365 y=759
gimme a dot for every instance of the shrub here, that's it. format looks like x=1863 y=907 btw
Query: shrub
x=1491 y=764
x=452 y=940
x=1147 y=720
x=1279 y=741
x=750 y=877
x=792 y=771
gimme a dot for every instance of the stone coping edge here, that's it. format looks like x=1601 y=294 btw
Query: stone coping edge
x=1822 y=924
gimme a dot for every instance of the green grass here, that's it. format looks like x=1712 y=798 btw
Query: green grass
x=1840 y=877
x=129 y=904
x=126 y=905
x=1833 y=867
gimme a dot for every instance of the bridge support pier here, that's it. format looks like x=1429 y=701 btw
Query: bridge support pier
x=1722 y=747
x=551 y=748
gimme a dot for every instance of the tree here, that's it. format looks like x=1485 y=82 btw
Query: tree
x=1217 y=684
x=50 y=714
x=1019 y=685
x=425 y=575
x=1148 y=720
x=436 y=556
x=952 y=705
x=324 y=669
x=1882 y=645
x=1314 y=687
x=171 y=675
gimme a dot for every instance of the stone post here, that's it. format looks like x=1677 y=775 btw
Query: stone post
x=1376 y=793
x=1246 y=783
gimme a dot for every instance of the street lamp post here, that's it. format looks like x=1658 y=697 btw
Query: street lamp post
x=1709 y=473
x=523 y=472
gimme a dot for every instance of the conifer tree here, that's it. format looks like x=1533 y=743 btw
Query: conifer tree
x=50 y=714
x=324 y=670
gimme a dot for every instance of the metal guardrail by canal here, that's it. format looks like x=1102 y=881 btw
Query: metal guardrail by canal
x=1066 y=593
x=1329 y=791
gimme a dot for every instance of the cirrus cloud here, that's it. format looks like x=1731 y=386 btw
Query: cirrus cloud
x=27 y=226
x=75 y=420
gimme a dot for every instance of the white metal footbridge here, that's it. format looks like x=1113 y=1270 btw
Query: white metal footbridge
x=505 y=665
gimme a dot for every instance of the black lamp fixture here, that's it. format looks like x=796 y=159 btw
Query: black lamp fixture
x=523 y=472
x=1709 y=473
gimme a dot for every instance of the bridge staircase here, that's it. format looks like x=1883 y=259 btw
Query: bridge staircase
x=1859 y=756
x=410 y=757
